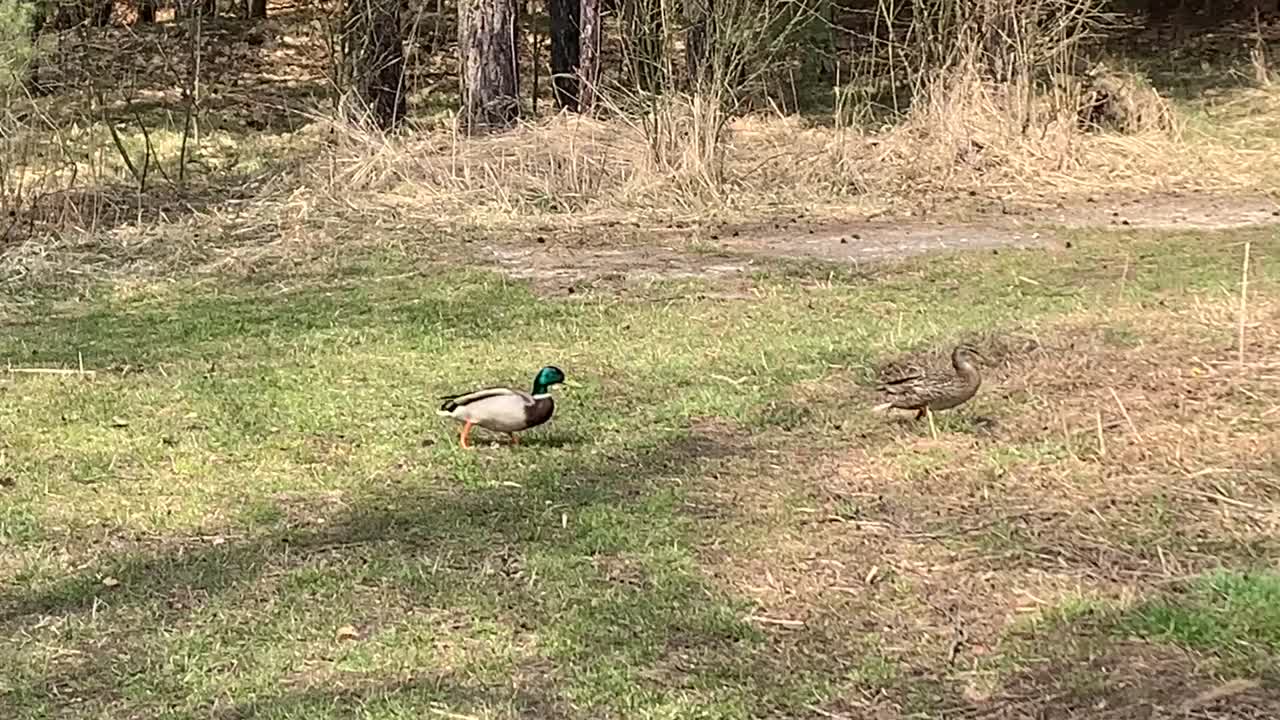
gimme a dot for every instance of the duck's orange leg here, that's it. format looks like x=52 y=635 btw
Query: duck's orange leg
x=466 y=430
x=515 y=439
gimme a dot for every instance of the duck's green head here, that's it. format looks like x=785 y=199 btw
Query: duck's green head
x=546 y=377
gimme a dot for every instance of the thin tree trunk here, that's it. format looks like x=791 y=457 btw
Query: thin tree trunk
x=146 y=12
x=565 y=52
x=535 y=56
x=374 y=57
x=589 y=54
x=102 y=11
x=33 y=85
x=257 y=9
x=490 y=77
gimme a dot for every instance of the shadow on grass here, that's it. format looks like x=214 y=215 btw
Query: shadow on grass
x=427 y=689
x=581 y=558
x=1103 y=663
x=196 y=326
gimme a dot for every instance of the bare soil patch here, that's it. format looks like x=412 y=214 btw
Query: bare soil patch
x=563 y=261
x=996 y=225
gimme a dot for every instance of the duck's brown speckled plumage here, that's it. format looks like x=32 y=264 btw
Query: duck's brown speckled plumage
x=936 y=391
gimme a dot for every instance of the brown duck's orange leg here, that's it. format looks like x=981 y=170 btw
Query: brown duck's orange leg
x=515 y=439
x=466 y=430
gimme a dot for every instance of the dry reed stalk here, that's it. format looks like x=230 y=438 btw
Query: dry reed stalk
x=1128 y=420
x=49 y=371
x=1066 y=436
x=1244 y=301
x=781 y=622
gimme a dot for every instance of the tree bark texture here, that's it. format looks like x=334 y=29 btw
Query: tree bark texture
x=565 y=52
x=256 y=9
x=589 y=53
x=490 y=76
x=374 y=57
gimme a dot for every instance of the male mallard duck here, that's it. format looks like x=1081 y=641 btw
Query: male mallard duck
x=502 y=409
x=926 y=391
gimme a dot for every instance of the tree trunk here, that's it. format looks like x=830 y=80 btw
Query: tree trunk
x=146 y=12
x=564 y=51
x=490 y=77
x=589 y=55
x=374 y=58
x=1159 y=10
x=102 y=12
x=257 y=9
x=32 y=81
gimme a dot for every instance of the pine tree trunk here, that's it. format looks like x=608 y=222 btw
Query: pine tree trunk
x=589 y=54
x=374 y=57
x=564 y=51
x=490 y=77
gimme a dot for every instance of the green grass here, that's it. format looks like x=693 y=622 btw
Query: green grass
x=252 y=508
x=1234 y=614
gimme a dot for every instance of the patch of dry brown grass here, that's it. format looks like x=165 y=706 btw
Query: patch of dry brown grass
x=965 y=142
x=1090 y=466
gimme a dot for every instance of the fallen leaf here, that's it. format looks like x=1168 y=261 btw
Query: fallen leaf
x=109 y=581
x=348 y=632
x=119 y=422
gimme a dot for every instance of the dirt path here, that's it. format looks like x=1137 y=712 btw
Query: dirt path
x=564 y=266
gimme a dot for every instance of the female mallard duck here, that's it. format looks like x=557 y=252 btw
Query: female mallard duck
x=502 y=409
x=931 y=392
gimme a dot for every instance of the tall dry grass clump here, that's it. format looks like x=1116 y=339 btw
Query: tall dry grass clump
x=998 y=97
x=1002 y=96
x=660 y=143
x=689 y=82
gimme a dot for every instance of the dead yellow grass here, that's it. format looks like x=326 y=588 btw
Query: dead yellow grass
x=966 y=142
